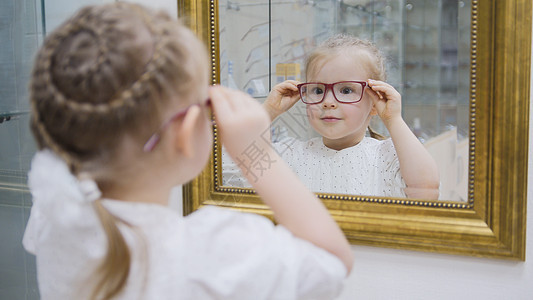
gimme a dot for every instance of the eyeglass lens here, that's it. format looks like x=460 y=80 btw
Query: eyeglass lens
x=343 y=92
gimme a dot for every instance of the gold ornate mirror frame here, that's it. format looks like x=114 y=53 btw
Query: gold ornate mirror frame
x=493 y=221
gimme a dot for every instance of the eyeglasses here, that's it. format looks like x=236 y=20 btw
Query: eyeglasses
x=343 y=91
x=156 y=137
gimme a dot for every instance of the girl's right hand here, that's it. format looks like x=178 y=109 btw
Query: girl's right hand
x=282 y=97
x=242 y=122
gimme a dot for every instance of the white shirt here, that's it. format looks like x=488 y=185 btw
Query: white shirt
x=370 y=168
x=213 y=253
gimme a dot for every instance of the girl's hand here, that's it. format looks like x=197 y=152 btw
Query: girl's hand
x=387 y=101
x=282 y=97
x=241 y=121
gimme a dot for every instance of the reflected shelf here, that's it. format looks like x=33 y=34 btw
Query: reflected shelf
x=11 y=115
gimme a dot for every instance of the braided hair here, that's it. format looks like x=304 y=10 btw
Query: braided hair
x=107 y=72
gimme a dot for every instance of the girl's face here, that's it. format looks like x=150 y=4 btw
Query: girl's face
x=341 y=125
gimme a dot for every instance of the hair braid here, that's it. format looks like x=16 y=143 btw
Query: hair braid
x=126 y=97
x=45 y=140
x=39 y=92
x=45 y=90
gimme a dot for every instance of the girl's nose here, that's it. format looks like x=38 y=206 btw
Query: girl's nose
x=329 y=100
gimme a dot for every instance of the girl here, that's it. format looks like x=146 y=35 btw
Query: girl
x=119 y=113
x=344 y=90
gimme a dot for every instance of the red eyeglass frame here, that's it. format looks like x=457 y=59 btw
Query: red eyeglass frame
x=329 y=86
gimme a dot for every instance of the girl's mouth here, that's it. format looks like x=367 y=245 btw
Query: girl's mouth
x=330 y=119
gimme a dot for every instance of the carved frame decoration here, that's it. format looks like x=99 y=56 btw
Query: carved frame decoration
x=492 y=222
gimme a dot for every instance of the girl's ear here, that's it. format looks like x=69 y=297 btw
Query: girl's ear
x=184 y=135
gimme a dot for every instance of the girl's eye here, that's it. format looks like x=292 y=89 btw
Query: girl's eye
x=346 y=90
x=317 y=91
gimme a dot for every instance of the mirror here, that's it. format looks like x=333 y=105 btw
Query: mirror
x=426 y=46
x=489 y=218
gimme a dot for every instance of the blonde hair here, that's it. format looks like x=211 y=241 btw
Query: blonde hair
x=363 y=51
x=108 y=72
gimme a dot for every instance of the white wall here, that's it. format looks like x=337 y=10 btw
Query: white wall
x=58 y=11
x=170 y=6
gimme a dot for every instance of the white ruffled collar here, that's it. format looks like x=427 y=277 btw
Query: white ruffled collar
x=60 y=200
x=48 y=172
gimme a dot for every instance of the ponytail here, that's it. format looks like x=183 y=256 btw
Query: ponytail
x=115 y=268
x=375 y=135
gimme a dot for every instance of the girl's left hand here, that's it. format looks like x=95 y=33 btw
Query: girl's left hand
x=387 y=101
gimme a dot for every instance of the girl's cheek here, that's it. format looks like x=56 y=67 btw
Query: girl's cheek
x=314 y=112
x=310 y=110
x=313 y=109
